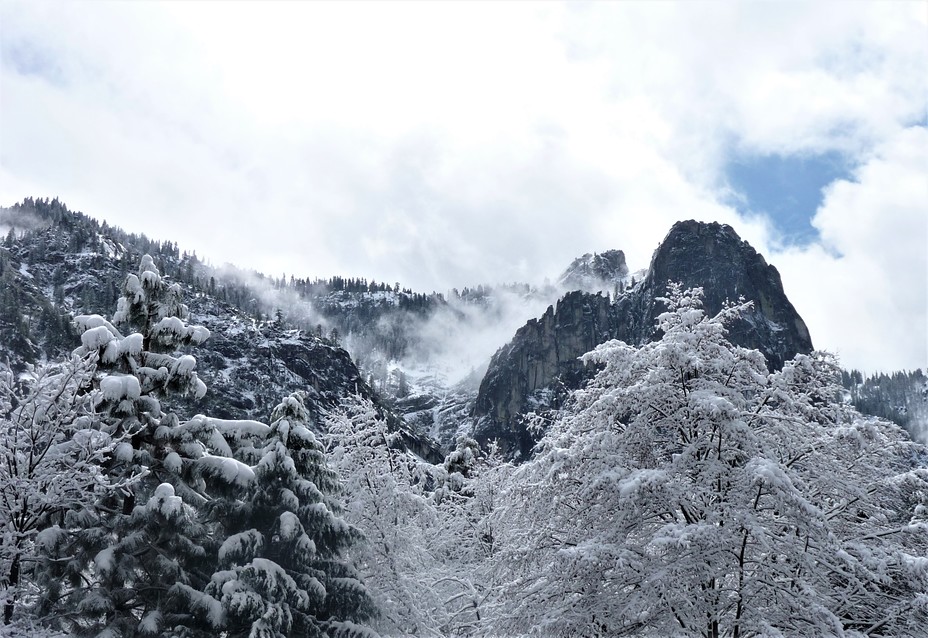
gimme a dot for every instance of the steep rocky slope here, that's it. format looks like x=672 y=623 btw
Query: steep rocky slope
x=267 y=338
x=712 y=256
x=539 y=366
x=71 y=265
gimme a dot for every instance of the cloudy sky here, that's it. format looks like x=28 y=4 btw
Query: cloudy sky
x=448 y=144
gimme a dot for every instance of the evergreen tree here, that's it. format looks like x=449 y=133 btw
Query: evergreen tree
x=285 y=560
x=128 y=565
x=14 y=327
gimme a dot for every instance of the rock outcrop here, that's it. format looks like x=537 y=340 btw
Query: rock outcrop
x=595 y=272
x=714 y=257
x=539 y=366
x=248 y=366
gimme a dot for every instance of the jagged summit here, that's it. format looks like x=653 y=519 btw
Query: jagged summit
x=713 y=256
x=594 y=272
x=540 y=365
x=270 y=336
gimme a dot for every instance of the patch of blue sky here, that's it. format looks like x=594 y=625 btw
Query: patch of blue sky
x=26 y=58
x=788 y=189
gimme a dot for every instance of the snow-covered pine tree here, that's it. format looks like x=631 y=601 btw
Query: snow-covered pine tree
x=285 y=559
x=110 y=569
x=143 y=578
x=690 y=493
x=143 y=368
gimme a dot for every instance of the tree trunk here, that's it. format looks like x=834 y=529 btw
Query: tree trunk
x=10 y=605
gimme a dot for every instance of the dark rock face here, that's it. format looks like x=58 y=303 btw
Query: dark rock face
x=248 y=367
x=596 y=271
x=539 y=366
x=712 y=256
x=522 y=374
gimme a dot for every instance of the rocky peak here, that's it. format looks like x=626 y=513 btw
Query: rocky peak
x=714 y=257
x=595 y=272
x=539 y=366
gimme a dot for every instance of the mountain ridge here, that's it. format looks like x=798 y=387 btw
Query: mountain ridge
x=65 y=263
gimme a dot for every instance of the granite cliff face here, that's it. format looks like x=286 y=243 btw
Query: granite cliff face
x=248 y=366
x=714 y=257
x=539 y=366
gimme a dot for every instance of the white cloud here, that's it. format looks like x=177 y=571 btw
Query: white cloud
x=864 y=290
x=447 y=144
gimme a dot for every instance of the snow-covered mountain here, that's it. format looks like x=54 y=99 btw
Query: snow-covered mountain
x=540 y=365
x=68 y=264
x=394 y=486
x=426 y=358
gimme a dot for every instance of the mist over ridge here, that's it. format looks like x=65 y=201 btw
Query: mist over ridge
x=463 y=319
x=426 y=352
